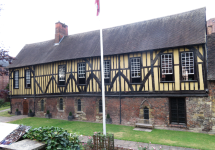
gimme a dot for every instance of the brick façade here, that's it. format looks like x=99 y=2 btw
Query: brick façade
x=200 y=110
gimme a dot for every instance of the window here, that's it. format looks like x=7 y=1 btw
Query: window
x=16 y=79
x=61 y=104
x=187 y=66
x=81 y=73
x=100 y=106
x=146 y=113
x=61 y=74
x=167 y=68
x=27 y=78
x=42 y=105
x=107 y=71
x=79 y=105
x=135 y=70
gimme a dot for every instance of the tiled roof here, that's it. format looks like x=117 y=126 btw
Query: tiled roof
x=186 y=28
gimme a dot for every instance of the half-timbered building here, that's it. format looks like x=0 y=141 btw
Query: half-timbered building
x=154 y=70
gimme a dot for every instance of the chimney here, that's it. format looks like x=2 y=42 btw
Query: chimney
x=61 y=30
x=211 y=26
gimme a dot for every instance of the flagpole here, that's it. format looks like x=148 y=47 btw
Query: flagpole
x=102 y=70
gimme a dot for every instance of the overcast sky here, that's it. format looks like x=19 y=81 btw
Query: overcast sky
x=27 y=21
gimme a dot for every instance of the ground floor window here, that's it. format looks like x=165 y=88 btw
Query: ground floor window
x=146 y=113
x=177 y=111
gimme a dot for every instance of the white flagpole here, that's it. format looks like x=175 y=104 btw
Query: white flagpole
x=102 y=70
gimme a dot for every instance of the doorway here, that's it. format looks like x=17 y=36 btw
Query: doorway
x=177 y=111
x=146 y=113
x=25 y=108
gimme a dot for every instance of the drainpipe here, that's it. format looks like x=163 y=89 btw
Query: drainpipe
x=10 y=91
x=120 y=109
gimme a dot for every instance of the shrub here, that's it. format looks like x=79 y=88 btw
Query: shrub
x=17 y=110
x=108 y=116
x=54 y=137
x=47 y=112
x=70 y=113
x=30 y=111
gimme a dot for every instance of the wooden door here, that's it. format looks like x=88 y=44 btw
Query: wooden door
x=177 y=111
x=25 y=108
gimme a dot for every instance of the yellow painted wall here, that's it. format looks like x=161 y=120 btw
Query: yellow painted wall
x=43 y=74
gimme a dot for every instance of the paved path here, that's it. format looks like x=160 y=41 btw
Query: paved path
x=5 y=110
x=8 y=119
x=134 y=145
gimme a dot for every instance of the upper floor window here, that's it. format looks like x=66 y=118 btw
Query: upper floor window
x=79 y=105
x=61 y=104
x=107 y=71
x=27 y=78
x=81 y=73
x=187 y=66
x=100 y=106
x=61 y=74
x=16 y=79
x=135 y=70
x=167 y=67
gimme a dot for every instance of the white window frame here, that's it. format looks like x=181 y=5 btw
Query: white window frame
x=27 y=77
x=81 y=70
x=106 y=69
x=16 y=79
x=62 y=73
x=166 y=64
x=187 y=65
x=135 y=68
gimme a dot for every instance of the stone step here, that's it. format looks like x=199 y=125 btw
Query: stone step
x=142 y=125
x=144 y=121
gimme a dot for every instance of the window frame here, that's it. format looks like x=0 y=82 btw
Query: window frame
x=59 y=75
x=173 y=71
x=14 y=80
x=78 y=73
x=195 y=67
x=101 y=106
x=79 y=105
x=109 y=71
x=131 y=71
x=61 y=104
x=27 y=79
x=42 y=105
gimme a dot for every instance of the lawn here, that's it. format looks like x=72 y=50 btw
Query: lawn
x=5 y=114
x=3 y=108
x=6 y=105
x=164 y=137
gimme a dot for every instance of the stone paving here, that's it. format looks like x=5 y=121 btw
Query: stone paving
x=134 y=145
x=5 y=110
x=8 y=119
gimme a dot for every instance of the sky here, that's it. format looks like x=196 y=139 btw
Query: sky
x=31 y=21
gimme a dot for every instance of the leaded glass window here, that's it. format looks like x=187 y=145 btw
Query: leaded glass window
x=135 y=70
x=187 y=66
x=61 y=104
x=79 y=105
x=167 y=67
x=107 y=71
x=16 y=79
x=62 y=74
x=42 y=105
x=100 y=106
x=81 y=73
x=27 y=78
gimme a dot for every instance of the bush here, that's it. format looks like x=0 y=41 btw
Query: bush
x=47 y=112
x=17 y=110
x=70 y=113
x=54 y=137
x=30 y=111
x=108 y=116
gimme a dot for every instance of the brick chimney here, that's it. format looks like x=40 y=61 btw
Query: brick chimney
x=60 y=31
x=211 y=26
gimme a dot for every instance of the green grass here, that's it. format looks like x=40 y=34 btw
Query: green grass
x=5 y=114
x=3 y=108
x=164 y=137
